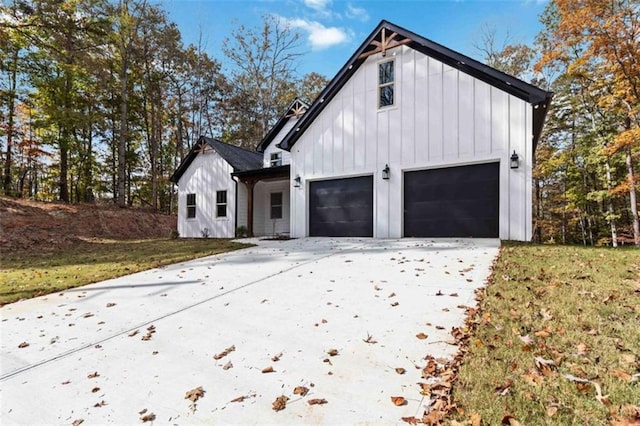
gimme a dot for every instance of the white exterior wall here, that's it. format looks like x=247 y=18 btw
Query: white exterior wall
x=286 y=155
x=441 y=117
x=208 y=173
x=263 y=225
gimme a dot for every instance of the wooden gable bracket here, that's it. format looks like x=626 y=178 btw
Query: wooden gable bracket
x=385 y=43
x=203 y=147
x=297 y=110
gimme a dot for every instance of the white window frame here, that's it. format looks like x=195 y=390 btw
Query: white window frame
x=275 y=159
x=191 y=205
x=391 y=84
x=222 y=204
x=281 y=205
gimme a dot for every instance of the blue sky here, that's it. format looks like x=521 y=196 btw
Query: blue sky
x=333 y=29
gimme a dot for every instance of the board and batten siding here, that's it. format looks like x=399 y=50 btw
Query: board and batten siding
x=208 y=173
x=263 y=225
x=442 y=117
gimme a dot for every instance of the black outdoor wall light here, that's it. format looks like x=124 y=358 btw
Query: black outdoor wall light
x=297 y=181
x=385 y=172
x=515 y=160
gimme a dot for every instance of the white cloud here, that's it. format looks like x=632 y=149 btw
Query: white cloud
x=319 y=36
x=318 y=5
x=359 y=13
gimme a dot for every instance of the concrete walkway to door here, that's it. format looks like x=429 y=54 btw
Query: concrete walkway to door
x=103 y=353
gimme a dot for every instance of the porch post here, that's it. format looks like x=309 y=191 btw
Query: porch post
x=250 y=183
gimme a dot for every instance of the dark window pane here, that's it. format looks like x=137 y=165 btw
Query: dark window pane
x=386 y=96
x=276 y=198
x=191 y=199
x=191 y=212
x=221 y=197
x=276 y=212
x=385 y=72
x=221 y=210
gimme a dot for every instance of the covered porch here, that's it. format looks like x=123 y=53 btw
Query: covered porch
x=263 y=202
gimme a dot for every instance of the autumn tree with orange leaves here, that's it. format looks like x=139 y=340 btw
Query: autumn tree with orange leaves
x=596 y=44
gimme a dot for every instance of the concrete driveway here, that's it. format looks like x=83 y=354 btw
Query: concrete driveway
x=105 y=352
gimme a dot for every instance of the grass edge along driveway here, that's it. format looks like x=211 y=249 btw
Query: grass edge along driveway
x=27 y=274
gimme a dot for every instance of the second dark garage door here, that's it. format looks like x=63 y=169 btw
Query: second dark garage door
x=341 y=207
x=452 y=202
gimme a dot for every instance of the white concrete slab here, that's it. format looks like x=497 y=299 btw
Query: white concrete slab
x=297 y=298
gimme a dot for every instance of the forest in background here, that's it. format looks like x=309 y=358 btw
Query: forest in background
x=100 y=100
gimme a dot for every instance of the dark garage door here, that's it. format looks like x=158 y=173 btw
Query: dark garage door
x=341 y=207
x=453 y=202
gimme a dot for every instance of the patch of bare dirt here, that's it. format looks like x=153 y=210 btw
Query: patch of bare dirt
x=26 y=224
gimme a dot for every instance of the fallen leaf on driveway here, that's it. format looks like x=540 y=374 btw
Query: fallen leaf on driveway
x=194 y=394
x=77 y=422
x=227 y=366
x=133 y=333
x=400 y=370
x=370 y=339
x=421 y=336
x=454 y=295
x=225 y=352
x=100 y=404
x=332 y=352
x=300 y=390
x=93 y=375
x=411 y=420
x=317 y=401
x=87 y=315
x=66 y=382
x=110 y=305
x=439 y=293
x=268 y=370
x=23 y=345
x=398 y=401
x=238 y=399
x=149 y=417
x=280 y=403
x=277 y=357
x=392 y=295
x=394 y=304
x=94 y=390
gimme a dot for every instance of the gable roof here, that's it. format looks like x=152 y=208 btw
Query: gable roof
x=297 y=108
x=539 y=98
x=239 y=158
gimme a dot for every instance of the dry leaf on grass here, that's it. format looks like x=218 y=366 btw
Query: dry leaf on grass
x=280 y=403
x=224 y=353
x=510 y=421
x=268 y=370
x=317 y=401
x=398 y=401
x=300 y=390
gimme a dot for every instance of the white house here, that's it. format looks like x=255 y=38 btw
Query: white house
x=220 y=186
x=409 y=139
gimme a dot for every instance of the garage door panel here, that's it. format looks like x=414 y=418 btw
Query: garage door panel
x=341 y=207
x=453 y=202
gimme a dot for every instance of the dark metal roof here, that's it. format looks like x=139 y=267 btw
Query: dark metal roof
x=265 y=172
x=239 y=158
x=539 y=98
x=266 y=141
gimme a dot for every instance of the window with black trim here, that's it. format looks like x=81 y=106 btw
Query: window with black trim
x=276 y=159
x=221 y=203
x=276 y=205
x=386 y=80
x=191 y=206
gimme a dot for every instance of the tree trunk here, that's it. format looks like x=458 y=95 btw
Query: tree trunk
x=610 y=211
x=122 y=142
x=632 y=196
x=10 y=130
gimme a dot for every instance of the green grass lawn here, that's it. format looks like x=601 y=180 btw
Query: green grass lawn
x=34 y=273
x=556 y=340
